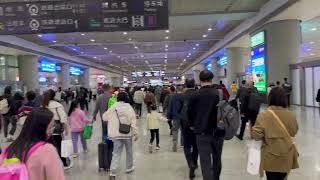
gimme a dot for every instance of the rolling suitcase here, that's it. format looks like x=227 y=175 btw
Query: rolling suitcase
x=105 y=149
x=105 y=156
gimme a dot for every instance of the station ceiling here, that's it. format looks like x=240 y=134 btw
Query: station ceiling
x=195 y=26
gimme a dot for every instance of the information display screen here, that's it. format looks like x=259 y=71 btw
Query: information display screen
x=148 y=74
x=46 y=66
x=83 y=16
x=209 y=66
x=258 y=62
x=223 y=60
x=75 y=71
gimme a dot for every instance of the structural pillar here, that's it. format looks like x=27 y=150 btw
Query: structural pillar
x=29 y=72
x=116 y=80
x=86 y=78
x=238 y=58
x=65 y=76
x=196 y=72
x=283 y=40
x=214 y=70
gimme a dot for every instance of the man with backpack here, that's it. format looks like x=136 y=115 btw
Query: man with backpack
x=189 y=137
x=250 y=107
x=202 y=115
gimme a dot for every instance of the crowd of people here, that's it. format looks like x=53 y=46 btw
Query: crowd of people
x=189 y=110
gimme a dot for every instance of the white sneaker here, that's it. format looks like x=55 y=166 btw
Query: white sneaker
x=158 y=148
x=68 y=167
x=74 y=156
x=150 y=148
x=130 y=170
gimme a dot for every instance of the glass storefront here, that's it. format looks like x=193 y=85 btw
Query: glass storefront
x=9 y=73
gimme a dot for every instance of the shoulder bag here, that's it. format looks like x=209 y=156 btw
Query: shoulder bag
x=123 y=128
x=58 y=126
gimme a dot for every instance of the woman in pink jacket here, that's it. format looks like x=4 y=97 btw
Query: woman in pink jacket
x=44 y=162
x=77 y=121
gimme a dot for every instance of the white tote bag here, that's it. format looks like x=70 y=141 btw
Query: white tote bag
x=66 y=148
x=254 y=157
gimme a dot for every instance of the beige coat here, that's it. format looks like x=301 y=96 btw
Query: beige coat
x=153 y=119
x=277 y=153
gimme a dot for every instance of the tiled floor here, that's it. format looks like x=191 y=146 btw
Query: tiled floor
x=172 y=166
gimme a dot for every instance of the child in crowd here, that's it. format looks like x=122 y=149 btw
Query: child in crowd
x=153 y=118
x=77 y=121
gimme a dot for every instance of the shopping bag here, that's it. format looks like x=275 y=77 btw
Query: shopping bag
x=254 y=157
x=87 y=132
x=247 y=132
x=66 y=148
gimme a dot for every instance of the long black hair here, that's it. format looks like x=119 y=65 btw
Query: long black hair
x=34 y=130
x=73 y=106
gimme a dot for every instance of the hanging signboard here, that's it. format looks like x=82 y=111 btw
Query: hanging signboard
x=83 y=16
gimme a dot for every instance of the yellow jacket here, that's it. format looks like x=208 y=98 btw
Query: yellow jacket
x=234 y=88
x=278 y=154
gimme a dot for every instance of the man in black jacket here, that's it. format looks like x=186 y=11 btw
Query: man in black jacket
x=202 y=115
x=189 y=137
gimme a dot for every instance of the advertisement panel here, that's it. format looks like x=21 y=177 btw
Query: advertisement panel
x=258 y=68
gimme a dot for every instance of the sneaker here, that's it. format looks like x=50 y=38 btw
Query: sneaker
x=130 y=170
x=174 y=148
x=150 y=148
x=74 y=155
x=85 y=151
x=112 y=177
x=158 y=148
x=69 y=166
x=191 y=173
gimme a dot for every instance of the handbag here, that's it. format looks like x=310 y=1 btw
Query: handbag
x=254 y=156
x=123 y=128
x=58 y=126
x=66 y=148
x=87 y=132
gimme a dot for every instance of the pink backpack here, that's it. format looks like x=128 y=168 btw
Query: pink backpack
x=14 y=169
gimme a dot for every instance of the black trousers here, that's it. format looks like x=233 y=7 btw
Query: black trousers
x=154 y=135
x=252 y=116
x=138 y=109
x=56 y=141
x=288 y=99
x=275 y=175
x=8 y=119
x=190 y=148
x=210 y=146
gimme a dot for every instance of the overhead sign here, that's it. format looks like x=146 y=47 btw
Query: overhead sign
x=83 y=16
x=222 y=61
x=148 y=74
x=48 y=66
x=75 y=71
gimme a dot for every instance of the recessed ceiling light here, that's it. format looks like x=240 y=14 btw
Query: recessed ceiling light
x=167 y=37
x=167 y=31
x=204 y=36
x=105 y=48
x=95 y=57
x=314 y=29
x=119 y=56
x=311 y=42
x=166 y=49
x=54 y=41
x=142 y=56
x=189 y=54
x=312 y=54
x=210 y=29
x=74 y=49
x=308 y=49
x=130 y=39
x=83 y=34
x=125 y=33
x=184 y=60
x=92 y=40
x=39 y=35
x=197 y=45
x=167 y=45
x=194 y=48
x=136 y=47
x=82 y=52
x=110 y=51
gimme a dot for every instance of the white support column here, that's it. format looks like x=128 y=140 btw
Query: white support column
x=215 y=70
x=65 y=76
x=29 y=72
x=196 y=72
x=86 y=78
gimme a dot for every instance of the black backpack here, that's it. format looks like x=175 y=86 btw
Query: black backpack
x=229 y=121
x=254 y=102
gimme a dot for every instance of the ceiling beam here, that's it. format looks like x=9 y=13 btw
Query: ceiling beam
x=269 y=10
x=214 y=12
x=27 y=46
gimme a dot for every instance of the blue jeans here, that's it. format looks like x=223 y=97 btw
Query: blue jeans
x=118 y=145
